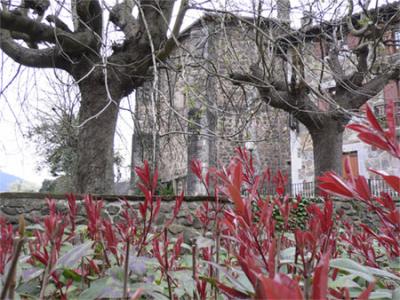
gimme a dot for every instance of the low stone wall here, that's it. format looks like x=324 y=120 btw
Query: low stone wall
x=33 y=206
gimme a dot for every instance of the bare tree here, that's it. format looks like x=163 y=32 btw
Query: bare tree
x=327 y=70
x=105 y=71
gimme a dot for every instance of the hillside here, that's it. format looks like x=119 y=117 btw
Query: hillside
x=6 y=180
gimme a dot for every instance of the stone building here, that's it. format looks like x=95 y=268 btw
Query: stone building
x=362 y=157
x=193 y=111
x=197 y=113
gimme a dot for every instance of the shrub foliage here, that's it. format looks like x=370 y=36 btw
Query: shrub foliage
x=255 y=248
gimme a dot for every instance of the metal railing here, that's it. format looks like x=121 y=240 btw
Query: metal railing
x=307 y=189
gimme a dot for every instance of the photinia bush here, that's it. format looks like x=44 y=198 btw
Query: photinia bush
x=329 y=257
x=251 y=246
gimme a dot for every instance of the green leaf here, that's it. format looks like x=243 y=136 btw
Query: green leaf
x=396 y=294
x=103 y=288
x=185 y=281
x=344 y=281
x=395 y=263
x=383 y=273
x=352 y=267
x=203 y=242
x=35 y=227
x=381 y=294
x=71 y=274
x=73 y=257
x=31 y=273
x=152 y=290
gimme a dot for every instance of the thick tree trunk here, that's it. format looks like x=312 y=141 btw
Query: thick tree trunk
x=327 y=147
x=99 y=115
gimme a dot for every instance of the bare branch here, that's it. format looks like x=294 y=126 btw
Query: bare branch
x=90 y=16
x=349 y=22
x=159 y=12
x=277 y=95
x=356 y=98
x=58 y=23
x=121 y=16
x=38 y=58
x=172 y=41
x=70 y=42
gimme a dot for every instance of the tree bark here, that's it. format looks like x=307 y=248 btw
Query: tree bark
x=98 y=116
x=327 y=147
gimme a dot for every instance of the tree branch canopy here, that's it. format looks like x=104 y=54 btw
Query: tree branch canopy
x=357 y=98
x=121 y=16
x=38 y=58
x=277 y=95
x=157 y=14
x=39 y=32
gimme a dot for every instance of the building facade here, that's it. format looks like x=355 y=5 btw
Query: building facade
x=194 y=111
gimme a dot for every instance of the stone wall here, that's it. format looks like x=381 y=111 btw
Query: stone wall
x=33 y=206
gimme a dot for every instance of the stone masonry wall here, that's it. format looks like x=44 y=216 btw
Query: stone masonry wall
x=33 y=206
x=202 y=115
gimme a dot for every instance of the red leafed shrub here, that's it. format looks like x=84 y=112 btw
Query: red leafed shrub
x=330 y=258
x=244 y=251
x=384 y=206
x=100 y=259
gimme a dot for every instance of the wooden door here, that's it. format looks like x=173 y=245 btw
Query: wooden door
x=353 y=158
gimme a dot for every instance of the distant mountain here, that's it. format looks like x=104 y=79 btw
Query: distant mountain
x=6 y=180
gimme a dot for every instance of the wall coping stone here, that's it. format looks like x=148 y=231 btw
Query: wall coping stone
x=107 y=198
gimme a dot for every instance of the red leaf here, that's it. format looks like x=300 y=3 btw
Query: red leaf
x=392 y=180
x=320 y=282
x=195 y=166
x=157 y=207
x=333 y=184
x=281 y=287
x=144 y=173
x=374 y=140
x=373 y=134
x=372 y=120
x=271 y=259
x=231 y=292
x=365 y=294
x=391 y=120
x=142 y=209
x=234 y=193
x=177 y=246
x=249 y=267
x=363 y=188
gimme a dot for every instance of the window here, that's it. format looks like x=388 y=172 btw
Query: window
x=380 y=113
x=396 y=37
